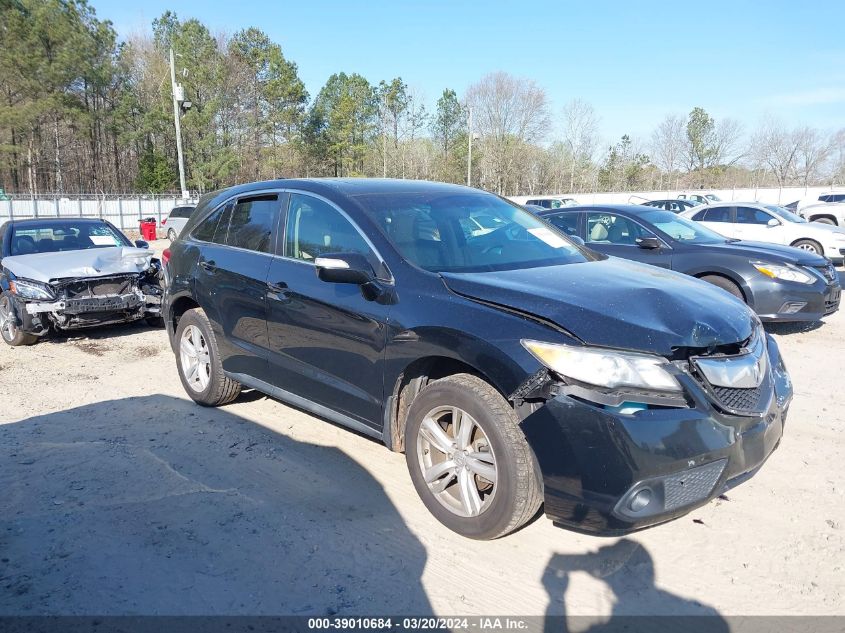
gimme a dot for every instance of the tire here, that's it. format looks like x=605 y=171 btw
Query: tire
x=809 y=245
x=824 y=221
x=171 y=235
x=497 y=508
x=9 y=330
x=208 y=385
x=724 y=284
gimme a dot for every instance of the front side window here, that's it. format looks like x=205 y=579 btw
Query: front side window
x=608 y=228
x=429 y=230
x=750 y=215
x=252 y=221
x=315 y=228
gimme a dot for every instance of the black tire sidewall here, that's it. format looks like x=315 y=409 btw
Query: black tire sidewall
x=494 y=520
x=208 y=396
x=20 y=338
x=725 y=284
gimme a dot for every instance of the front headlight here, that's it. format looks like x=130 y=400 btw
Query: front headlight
x=604 y=367
x=784 y=272
x=29 y=289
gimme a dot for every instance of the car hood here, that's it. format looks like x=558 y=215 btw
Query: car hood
x=818 y=228
x=770 y=252
x=92 y=262
x=617 y=303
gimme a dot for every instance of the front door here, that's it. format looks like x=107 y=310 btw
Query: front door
x=326 y=340
x=753 y=224
x=618 y=235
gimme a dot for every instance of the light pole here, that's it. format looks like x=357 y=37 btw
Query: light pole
x=178 y=100
x=469 y=153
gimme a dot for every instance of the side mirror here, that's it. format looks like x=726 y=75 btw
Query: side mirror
x=577 y=240
x=772 y=222
x=648 y=242
x=344 y=268
x=142 y=244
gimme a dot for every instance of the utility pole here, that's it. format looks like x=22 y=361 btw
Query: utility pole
x=469 y=153
x=178 y=98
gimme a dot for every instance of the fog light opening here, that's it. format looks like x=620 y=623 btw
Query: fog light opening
x=791 y=307
x=640 y=500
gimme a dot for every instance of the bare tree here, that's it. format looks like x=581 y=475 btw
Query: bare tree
x=775 y=147
x=669 y=146
x=507 y=112
x=813 y=149
x=728 y=142
x=580 y=137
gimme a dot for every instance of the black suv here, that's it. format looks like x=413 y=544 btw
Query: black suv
x=511 y=365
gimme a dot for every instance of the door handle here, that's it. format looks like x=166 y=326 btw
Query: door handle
x=278 y=291
x=208 y=266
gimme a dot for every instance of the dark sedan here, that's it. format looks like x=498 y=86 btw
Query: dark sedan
x=675 y=206
x=780 y=283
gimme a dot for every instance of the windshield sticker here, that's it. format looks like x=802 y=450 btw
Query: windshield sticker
x=549 y=237
x=104 y=240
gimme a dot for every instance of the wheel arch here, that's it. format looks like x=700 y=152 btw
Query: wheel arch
x=177 y=308
x=731 y=276
x=825 y=216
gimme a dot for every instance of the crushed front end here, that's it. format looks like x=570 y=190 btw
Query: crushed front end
x=81 y=302
x=616 y=461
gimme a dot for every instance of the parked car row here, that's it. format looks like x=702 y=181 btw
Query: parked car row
x=604 y=362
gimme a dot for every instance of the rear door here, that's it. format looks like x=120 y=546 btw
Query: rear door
x=618 y=235
x=231 y=279
x=719 y=219
x=326 y=340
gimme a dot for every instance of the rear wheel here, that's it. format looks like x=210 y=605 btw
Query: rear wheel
x=9 y=329
x=469 y=460
x=811 y=246
x=724 y=284
x=198 y=360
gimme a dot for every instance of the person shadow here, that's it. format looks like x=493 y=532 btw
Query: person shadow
x=627 y=569
x=155 y=506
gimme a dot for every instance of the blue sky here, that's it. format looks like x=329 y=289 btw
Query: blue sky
x=634 y=61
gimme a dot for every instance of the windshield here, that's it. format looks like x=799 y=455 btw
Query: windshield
x=681 y=229
x=52 y=237
x=785 y=214
x=713 y=197
x=467 y=232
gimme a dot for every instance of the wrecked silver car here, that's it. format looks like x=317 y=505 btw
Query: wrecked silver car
x=66 y=274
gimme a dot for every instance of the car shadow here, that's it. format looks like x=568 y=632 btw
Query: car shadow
x=795 y=327
x=153 y=505
x=626 y=568
x=100 y=333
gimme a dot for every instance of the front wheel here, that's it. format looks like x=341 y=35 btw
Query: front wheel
x=724 y=284
x=468 y=459
x=198 y=360
x=171 y=235
x=12 y=334
x=824 y=221
x=810 y=246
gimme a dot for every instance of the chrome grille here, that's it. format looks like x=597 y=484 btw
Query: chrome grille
x=829 y=272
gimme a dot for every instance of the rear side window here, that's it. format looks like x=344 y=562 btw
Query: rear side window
x=252 y=221
x=567 y=222
x=716 y=214
x=181 y=212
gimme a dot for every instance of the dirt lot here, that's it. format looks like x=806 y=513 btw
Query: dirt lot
x=119 y=496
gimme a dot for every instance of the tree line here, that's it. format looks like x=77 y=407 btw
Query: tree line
x=84 y=112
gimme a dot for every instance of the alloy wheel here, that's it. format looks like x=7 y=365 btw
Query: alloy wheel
x=457 y=461
x=195 y=358
x=8 y=327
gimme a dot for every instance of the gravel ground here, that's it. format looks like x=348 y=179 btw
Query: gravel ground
x=120 y=496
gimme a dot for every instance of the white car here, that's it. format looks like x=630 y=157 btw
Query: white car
x=176 y=221
x=700 y=198
x=753 y=221
x=824 y=212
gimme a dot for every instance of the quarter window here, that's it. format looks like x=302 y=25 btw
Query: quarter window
x=206 y=229
x=315 y=228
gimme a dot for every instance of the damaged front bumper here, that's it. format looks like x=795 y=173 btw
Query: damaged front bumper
x=610 y=472
x=75 y=308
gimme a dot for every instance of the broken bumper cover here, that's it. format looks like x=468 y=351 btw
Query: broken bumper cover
x=608 y=473
x=116 y=303
x=70 y=314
